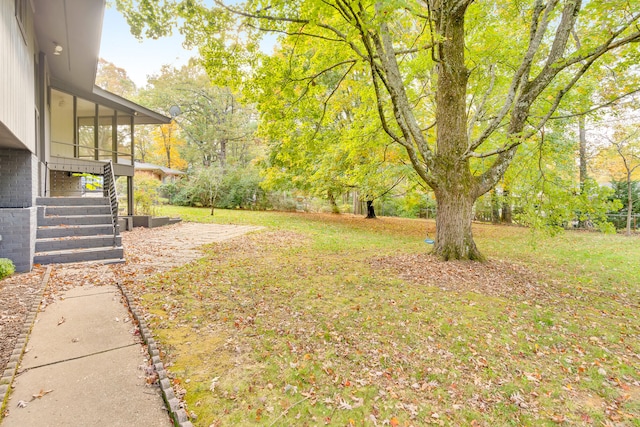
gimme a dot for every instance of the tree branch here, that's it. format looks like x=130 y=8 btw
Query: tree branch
x=326 y=101
x=296 y=33
x=537 y=30
x=257 y=15
x=399 y=99
x=596 y=108
x=480 y=109
x=561 y=94
x=326 y=70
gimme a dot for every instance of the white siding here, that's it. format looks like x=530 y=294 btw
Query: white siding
x=17 y=99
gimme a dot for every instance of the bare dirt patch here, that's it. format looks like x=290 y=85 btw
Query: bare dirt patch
x=171 y=246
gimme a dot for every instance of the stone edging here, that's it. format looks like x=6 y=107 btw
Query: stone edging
x=14 y=360
x=172 y=403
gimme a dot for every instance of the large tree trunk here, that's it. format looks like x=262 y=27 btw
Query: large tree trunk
x=332 y=201
x=507 y=217
x=454 y=239
x=223 y=152
x=495 y=207
x=629 y=203
x=371 y=212
x=357 y=209
x=582 y=150
x=582 y=132
x=455 y=193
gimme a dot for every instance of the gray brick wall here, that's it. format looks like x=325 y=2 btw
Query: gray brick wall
x=18 y=228
x=18 y=178
x=35 y=179
x=61 y=184
x=18 y=214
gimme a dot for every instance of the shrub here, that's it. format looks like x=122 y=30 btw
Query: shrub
x=6 y=268
x=241 y=189
x=169 y=191
x=145 y=195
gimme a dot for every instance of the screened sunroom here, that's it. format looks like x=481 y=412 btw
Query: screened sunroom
x=88 y=130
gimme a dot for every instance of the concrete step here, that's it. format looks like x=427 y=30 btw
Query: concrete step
x=78 y=255
x=77 y=210
x=71 y=201
x=76 y=229
x=104 y=261
x=76 y=242
x=73 y=230
x=62 y=220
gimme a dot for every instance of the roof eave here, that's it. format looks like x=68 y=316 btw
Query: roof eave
x=143 y=116
x=75 y=26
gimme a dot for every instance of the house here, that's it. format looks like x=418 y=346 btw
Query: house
x=163 y=174
x=55 y=124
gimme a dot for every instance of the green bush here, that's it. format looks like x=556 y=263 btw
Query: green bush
x=232 y=188
x=6 y=268
x=241 y=189
x=145 y=195
x=169 y=191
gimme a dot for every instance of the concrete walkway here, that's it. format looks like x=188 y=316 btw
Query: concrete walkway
x=84 y=365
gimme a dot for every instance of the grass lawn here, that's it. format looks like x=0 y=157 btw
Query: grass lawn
x=337 y=320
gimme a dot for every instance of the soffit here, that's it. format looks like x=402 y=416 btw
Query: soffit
x=76 y=25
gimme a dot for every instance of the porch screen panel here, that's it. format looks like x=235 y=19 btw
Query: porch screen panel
x=86 y=130
x=125 y=138
x=106 y=117
x=62 y=141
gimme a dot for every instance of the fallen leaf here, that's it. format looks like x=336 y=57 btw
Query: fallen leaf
x=357 y=401
x=42 y=393
x=344 y=405
x=291 y=389
x=214 y=383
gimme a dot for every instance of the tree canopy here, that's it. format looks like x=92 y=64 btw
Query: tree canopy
x=459 y=85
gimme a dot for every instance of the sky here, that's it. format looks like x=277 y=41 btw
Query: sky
x=143 y=58
x=139 y=59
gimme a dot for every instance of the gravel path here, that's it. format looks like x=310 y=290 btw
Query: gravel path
x=148 y=251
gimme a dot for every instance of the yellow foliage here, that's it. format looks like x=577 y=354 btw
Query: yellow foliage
x=167 y=142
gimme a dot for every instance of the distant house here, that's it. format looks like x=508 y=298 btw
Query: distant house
x=160 y=173
x=55 y=124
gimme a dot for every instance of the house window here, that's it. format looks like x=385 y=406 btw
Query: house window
x=21 y=16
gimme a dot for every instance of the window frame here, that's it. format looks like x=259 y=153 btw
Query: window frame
x=21 y=17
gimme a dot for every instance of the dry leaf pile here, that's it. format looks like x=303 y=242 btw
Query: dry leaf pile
x=496 y=278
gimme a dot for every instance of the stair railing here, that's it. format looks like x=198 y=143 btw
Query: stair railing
x=109 y=188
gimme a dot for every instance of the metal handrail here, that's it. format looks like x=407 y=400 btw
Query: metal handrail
x=109 y=188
